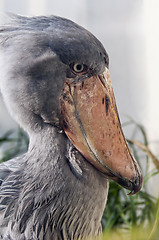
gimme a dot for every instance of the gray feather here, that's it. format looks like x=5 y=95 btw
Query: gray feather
x=51 y=192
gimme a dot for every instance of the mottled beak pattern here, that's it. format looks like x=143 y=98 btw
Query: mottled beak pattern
x=91 y=122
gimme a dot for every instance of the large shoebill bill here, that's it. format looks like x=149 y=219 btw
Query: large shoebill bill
x=56 y=84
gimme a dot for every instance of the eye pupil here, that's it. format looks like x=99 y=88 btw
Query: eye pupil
x=79 y=67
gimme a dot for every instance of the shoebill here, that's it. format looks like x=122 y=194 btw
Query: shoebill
x=56 y=84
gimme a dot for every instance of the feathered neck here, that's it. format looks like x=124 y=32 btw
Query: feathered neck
x=68 y=193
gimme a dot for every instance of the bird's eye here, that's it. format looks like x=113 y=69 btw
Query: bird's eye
x=78 y=67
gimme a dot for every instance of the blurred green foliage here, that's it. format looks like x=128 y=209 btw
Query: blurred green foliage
x=12 y=144
x=134 y=217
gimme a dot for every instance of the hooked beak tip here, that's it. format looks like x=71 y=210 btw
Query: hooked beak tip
x=136 y=185
x=133 y=186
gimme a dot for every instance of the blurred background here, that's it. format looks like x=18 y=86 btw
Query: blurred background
x=130 y=33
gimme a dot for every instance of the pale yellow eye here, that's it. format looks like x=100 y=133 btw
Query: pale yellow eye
x=78 y=67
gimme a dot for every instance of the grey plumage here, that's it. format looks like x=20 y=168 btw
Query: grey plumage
x=50 y=204
x=46 y=194
x=54 y=78
x=34 y=50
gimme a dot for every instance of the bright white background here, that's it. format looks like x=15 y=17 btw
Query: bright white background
x=129 y=30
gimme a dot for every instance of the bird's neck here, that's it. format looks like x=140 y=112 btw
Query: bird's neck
x=47 y=148
x=72 y=188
